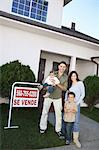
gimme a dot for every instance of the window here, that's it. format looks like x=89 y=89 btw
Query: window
x=34 y=9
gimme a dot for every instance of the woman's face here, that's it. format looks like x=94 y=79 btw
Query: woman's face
x=73 y=77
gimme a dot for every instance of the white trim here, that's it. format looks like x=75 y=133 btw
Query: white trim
x=40 y=30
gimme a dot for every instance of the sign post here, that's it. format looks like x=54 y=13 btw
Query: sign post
x=22 y=97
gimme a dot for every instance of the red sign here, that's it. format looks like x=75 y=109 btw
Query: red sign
x=25 y=97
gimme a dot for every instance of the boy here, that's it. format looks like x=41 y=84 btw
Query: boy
x=70 y=109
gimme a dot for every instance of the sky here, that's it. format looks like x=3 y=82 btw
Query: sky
x=85 y=13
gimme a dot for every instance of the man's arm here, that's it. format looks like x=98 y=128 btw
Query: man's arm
x=63 y=86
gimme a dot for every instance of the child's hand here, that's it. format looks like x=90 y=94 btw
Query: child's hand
x=73 y=110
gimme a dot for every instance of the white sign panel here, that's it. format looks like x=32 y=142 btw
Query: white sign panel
x=25 y=97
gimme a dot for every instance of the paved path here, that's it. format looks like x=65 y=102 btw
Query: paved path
x=89 y=135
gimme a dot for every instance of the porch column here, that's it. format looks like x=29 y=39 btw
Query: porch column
x=72 y=64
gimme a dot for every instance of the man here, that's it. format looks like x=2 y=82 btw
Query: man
x=55 y=98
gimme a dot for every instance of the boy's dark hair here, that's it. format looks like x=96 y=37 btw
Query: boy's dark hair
x=71 y=93
x=63 y=62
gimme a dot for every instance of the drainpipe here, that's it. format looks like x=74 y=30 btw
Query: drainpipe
x=94 y=61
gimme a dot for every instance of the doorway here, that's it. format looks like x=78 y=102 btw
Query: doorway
x=41 y=70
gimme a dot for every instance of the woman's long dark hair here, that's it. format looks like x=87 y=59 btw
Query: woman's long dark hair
x=69 y=82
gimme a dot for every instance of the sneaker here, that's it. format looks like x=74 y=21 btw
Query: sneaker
x=67 y=142
x=42 y=131
x=60 y=135
x=46 y=95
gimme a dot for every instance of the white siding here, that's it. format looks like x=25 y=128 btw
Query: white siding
x=50 y=58
x=55 y=11
x=5 y=5
x=25 y=42
x=85 y=68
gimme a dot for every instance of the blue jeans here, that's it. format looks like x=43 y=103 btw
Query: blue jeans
x=50 y=88
x=68 y=130
x=76 y=127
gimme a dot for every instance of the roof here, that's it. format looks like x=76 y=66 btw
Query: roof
x=66 y=2
x=63 y=30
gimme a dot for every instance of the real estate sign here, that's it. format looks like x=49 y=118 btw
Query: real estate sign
x=25 y=97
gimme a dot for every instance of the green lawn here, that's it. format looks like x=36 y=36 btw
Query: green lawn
x=94 y=114
x=27 y=136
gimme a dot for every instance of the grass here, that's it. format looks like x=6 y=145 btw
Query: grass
x=94 y=114
x=27 y=136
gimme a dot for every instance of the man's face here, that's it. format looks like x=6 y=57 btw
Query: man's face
x=62 y=67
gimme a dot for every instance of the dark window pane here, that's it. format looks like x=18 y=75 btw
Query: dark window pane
x=45 y=8
x=39 y=6
x=16 y=0
x=45 y=3
x=38 y=17
x=22 y=1
x=33 y=10
x=14 y=10
x=44 y=13
x=28 y=3
x=20 y=12
x=32 y=15
x=34 y=4
x=44 y=19
x=27 y=8
x=15 y=4
x=39 y=12
x=26 y=13
x=21 y=6
x=35 y=1
x=40 y=1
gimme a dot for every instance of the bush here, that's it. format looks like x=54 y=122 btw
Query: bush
x=13 y=72
x=92 y=90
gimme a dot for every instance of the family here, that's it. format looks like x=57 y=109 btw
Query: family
x=68 y=122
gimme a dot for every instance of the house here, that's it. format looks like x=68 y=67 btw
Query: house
x=31 y=31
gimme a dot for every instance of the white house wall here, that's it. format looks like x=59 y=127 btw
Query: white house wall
x=54 y=16
x=50 y=57
x=85 y=68
x=22 y=46
x=55 y=10
x=20 y=41
x=5 y=5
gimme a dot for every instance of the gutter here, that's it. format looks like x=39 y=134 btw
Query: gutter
x=93 y=60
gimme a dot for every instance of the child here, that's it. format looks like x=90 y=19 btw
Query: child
x=70 y=109
x=50 y=83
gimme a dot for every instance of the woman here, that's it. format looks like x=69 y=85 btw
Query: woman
x=76 y=86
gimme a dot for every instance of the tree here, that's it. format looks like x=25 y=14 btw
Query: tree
x=14 y=72
x=92 y=90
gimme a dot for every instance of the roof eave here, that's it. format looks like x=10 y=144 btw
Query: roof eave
x=66 y=2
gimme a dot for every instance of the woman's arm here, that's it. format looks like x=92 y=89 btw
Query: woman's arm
x=82 y=92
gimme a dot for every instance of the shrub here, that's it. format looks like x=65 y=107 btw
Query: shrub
x=13 y=72
x=92 y=90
